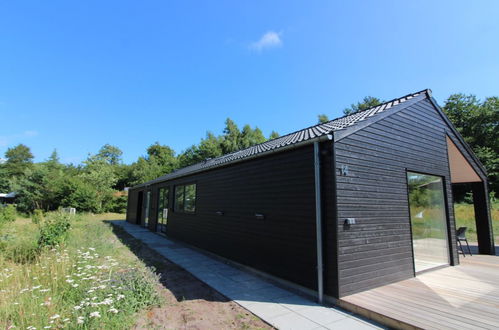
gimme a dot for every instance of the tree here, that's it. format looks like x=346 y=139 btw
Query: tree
x=250 y=137
x=478 y=123
x=230 y=142
x=273 y=135
x=19 y=159
x=322 y=118
x=110 y=154
x=367 y=102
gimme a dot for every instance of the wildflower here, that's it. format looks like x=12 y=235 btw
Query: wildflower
x=75 y=285
x=36 y=287
x=77 y=307
x=80 y=320
x=31 y=328
x=70 y=281
x=107 y=301
x=55 y=316
x=95 y=314
x=120 y=296
x=102 y=286
x=113 y=310
x=47 y=327
x=65 y=320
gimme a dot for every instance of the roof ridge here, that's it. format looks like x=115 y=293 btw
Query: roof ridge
x=319 y=124
x=427 y=90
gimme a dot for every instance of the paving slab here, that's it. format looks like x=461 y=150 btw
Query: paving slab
x=278 y=307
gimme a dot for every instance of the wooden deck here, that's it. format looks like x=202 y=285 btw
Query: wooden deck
x=461 y=297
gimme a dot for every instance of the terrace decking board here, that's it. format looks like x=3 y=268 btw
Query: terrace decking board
x=465 y=297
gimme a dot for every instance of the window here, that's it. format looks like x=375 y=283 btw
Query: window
x=185 y=198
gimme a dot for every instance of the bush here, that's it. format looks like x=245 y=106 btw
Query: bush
x=37 y=216
x=7 y=213
x=53 y=230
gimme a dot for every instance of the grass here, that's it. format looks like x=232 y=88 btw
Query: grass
x=90 y=280
x=465 y=217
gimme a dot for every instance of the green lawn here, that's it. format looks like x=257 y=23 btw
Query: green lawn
x=89 y=281
x=465 y=217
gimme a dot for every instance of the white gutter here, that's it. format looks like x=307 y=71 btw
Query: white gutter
x=318 y=223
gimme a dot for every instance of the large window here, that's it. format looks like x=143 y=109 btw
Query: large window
x=428 y=220
x=185 y=198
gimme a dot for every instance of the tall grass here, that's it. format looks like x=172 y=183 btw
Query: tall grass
x=465 y=217
x=89 y=280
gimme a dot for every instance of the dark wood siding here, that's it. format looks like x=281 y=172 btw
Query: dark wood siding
x=377 y=250
x=279 y=186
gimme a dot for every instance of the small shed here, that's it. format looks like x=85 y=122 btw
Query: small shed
x=336 y=208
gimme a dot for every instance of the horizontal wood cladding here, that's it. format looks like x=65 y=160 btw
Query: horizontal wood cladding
x=377 y=249
x=279 y=186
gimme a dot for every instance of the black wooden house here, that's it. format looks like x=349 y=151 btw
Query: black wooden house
x=337 y=208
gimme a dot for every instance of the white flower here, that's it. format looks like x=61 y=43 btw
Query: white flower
x=65 y=320
x=77 y=307
x=31 y=328
x=55 y=316
x=120 y=296
x=95 y=314
x=70 y=281
x=113 y=310
x=107 y=301
x=80 y=320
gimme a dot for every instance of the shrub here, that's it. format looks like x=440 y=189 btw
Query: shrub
x=7 y=213
x=53 y=230
x=37 y=216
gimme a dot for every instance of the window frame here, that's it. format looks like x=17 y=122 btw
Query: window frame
x=183 y=186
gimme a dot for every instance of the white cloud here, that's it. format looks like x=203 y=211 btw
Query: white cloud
x=270 y=39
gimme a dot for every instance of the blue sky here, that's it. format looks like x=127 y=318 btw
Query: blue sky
x=75 y=75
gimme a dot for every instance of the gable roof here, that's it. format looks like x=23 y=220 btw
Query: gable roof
x=343 y=125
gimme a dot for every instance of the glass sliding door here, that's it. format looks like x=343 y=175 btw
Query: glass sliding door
x=163 y=199
x=428 y=221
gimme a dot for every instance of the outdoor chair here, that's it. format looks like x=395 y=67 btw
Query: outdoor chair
x=461 y=236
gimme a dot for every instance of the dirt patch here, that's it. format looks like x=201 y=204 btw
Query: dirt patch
x=189 y=303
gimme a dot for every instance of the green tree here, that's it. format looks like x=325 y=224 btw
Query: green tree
x=19 y=159
x=366 y=103
x=478 y=123
x=111 y=154
x=322 y=118
x=249 y=137
x=273 y=135
x=230 y=139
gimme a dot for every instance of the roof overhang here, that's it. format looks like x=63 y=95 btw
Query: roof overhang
x=461 y=170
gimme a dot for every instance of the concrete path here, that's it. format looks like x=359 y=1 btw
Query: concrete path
x=276 y=306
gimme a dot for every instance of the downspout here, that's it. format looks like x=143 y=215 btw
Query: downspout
x=318 y=222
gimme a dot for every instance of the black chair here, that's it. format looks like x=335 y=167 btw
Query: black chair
x=461 y=236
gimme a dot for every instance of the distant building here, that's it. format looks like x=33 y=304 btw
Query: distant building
x=7 y=198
